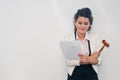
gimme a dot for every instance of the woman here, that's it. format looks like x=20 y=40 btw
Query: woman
x=86 y=67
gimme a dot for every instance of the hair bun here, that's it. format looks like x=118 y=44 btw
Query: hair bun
x=85 y=11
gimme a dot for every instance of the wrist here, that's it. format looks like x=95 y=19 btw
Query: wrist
x=92 y=60
x=89 y=60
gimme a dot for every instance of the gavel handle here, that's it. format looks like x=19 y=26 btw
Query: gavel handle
x=101 y=48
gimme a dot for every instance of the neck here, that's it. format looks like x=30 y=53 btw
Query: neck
x=81 y=36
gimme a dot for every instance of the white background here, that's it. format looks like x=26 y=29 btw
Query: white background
x=30 y=31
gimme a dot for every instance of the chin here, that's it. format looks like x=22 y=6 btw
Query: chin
x=82 y=32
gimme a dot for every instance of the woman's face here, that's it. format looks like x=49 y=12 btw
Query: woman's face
x=82 y=24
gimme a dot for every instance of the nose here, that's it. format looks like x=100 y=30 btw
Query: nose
x=82 y=25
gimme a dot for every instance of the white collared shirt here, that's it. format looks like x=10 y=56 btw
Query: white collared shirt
x=94 y=44
x=84 y=44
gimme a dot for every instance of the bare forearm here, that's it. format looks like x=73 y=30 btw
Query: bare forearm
x=92 y=60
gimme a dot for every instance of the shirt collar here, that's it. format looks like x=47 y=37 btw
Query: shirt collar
x=86 y=37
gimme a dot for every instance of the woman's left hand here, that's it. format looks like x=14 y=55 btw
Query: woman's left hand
x=83 y=59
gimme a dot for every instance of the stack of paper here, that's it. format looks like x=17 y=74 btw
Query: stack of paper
x=70 y=49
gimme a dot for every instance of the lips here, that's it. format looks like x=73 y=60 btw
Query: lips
x=82 y=28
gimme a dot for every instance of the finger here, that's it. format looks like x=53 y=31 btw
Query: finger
x=80 y=54
x=84 y=61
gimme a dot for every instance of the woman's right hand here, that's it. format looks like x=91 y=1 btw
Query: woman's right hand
x=93 y=59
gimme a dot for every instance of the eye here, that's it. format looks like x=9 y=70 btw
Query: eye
x=86 y=23
x=79 y=22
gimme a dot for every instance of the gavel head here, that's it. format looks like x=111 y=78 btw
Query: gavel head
x=105 y=43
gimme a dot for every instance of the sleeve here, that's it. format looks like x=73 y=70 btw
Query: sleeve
x=72 y=62
x=69 y=62
x=98 y=45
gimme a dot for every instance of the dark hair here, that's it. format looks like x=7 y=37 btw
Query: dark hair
x=84 y=12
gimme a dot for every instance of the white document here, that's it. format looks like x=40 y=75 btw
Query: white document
x=70 y=49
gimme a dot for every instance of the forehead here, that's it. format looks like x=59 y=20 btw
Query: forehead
x=81 y=18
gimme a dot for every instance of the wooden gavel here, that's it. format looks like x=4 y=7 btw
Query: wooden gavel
x=105 y=44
